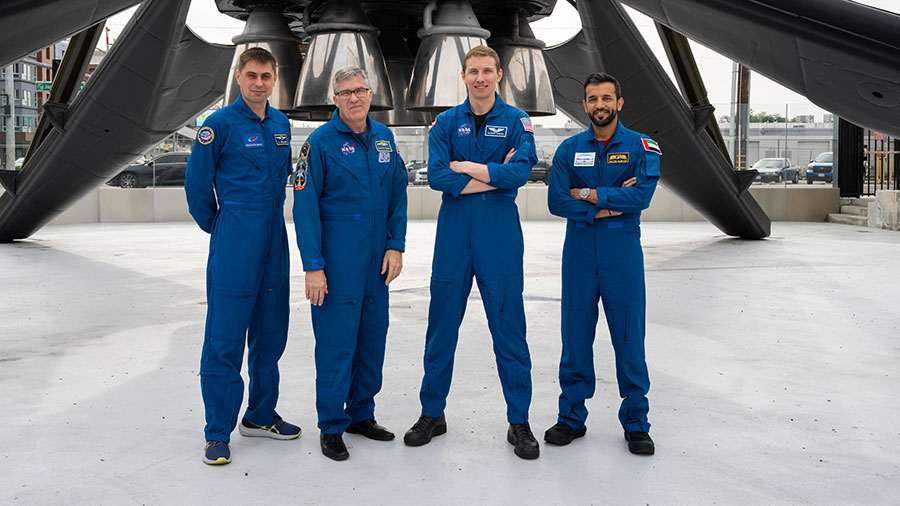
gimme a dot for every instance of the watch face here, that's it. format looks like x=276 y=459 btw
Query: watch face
x=585 y=193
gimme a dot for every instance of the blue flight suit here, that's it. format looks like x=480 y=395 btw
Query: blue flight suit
x=235 y=186
x=349 y=209
x=479 y=234
x=603 y=259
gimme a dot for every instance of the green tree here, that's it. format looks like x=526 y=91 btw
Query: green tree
x=765 y=117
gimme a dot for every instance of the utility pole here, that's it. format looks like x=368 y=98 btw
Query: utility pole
x=740 y=100
x=10 y=120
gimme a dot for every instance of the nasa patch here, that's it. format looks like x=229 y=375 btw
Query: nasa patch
x=348 y=148
x=253 y=141
x=205 y=135
x=464 y=129
x=495 y=131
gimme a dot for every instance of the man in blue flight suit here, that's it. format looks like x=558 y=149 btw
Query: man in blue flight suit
x=601 y=180
x=350 y=217
x=235 y=186
x=480 y=153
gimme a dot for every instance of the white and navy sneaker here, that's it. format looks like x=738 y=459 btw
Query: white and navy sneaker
x=216 y=453
x=278 y=430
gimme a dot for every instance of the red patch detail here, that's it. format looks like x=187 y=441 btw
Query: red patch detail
x=526 y=124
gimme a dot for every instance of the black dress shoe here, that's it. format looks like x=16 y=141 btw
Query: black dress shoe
x=333 y=446
x=370 y=429
x=561 y=434
x=423 y=430
x=639 y=443
x=519 y=435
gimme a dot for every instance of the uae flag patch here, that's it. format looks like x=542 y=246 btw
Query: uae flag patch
x=651 y=145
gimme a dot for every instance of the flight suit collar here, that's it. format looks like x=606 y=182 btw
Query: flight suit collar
x=340 y=126
x=618 y=136
x=245 y=110
x=499 y=105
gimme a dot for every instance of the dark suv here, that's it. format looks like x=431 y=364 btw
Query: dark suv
x=821 y=168
x=168 y=169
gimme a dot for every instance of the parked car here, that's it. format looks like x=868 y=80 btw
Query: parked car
x=540 y=172
x=821 y=168
x=421 y=176
x=411 y=169
x=776 y=170
x=168 y=168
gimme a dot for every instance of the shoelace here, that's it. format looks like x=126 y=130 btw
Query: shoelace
x=422 y=422
x=213 y=444
x=522 y=431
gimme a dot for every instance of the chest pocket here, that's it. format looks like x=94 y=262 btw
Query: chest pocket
x=493 y=139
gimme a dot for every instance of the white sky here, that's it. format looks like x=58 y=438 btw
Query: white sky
x=766 y=95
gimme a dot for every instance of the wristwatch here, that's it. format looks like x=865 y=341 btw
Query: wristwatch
x=585 y=193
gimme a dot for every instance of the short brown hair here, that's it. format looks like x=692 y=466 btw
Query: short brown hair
x=481 y=51
x=257 y=54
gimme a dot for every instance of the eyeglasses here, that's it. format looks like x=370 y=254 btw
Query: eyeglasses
x=359 y=92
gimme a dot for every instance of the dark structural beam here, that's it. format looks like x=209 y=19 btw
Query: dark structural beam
x=693 y=166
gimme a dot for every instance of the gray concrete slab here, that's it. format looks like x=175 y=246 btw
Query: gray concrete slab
x=774 y=366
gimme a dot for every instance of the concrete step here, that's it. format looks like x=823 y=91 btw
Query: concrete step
x=855 y=210
x=849 y=219
x=861 y=201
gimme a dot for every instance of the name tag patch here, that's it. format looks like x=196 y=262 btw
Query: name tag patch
x=282 y=140
x=617 y=158
x=585 y=159
x=253 y=141
x=383 y=146
x=384 y=157
x=495 y=131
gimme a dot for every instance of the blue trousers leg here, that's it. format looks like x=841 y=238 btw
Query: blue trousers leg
x=626 y=330
x=368 y=360
x=336 y=326
x=450 y=287
x=238 y=243
x=267 y=335
x=505 y=310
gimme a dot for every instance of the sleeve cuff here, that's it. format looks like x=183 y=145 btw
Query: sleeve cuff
x=492 y=169
x=396 y=244
x=591 y=213
x=460 y=185
x=314 y=265
x=602 y=197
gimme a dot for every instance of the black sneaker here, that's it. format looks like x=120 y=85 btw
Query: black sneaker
x=370 y=429
x=519 y=435
x=639 y=443
x=333 y=446
x=562 y=434
x=423 y=430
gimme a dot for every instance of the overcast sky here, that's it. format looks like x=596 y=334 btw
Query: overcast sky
x=766 y=95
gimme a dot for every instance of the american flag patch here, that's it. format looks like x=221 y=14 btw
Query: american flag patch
x=526 y=123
